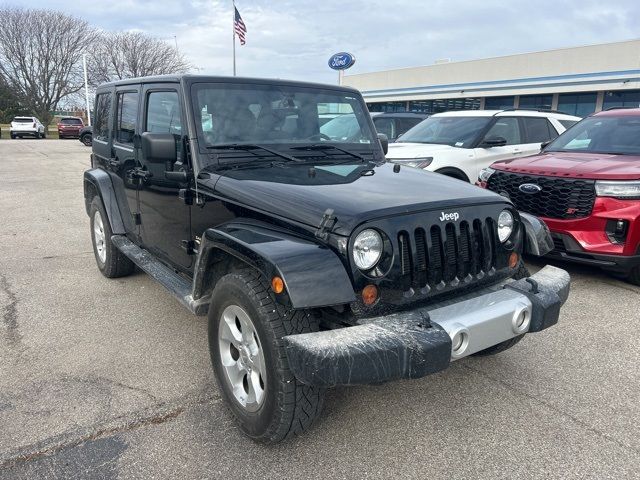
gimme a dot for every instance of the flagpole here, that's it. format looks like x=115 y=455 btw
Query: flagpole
x=233 y=30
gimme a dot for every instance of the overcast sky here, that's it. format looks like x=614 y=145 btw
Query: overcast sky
x=294 y=39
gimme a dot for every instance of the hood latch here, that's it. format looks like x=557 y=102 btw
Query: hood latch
x=326 y=224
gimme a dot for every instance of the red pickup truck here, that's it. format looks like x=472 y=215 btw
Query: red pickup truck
x=586 y=186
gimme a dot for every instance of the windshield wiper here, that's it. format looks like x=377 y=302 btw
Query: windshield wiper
x=249 y=146
x=321 y=147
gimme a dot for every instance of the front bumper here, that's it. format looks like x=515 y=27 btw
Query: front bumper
x=419 y=342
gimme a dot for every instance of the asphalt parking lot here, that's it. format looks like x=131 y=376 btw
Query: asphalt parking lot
x=111 y=378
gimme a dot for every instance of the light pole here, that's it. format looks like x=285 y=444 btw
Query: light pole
x=86 y=87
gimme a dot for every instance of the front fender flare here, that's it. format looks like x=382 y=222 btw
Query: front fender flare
x=537 y=237
x=313 y=274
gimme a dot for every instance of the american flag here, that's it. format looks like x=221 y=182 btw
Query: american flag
x=239 y=27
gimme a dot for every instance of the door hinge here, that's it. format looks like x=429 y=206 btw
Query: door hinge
x=137 y=219
x=189 y=246
x=326 y=224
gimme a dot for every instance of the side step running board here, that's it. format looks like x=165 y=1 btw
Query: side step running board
x=179 y=286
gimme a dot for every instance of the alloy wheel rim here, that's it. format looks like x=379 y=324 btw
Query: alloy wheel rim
x=99 y=237
x=242 y=357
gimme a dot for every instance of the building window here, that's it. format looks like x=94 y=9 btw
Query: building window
x=499 y=103
x=536 y=101
x=444 y=105
x=578 y=104
x=387 y=107
x=629 y=98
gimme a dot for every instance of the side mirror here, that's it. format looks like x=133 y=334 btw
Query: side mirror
x=493 y=142
x=384 y=142
x=544 y=145
x=159 y=148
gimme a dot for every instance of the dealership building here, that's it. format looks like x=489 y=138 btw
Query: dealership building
x=577 y=81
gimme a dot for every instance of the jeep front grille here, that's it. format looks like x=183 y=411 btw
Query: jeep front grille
x=447 y=255
x=563 y=198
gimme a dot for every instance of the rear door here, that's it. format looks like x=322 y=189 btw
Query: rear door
x=124 y=149
x=536 y=131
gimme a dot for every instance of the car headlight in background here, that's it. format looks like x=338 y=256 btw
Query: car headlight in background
x=367 y=249
x=505 y=225
x=485 y=173
x=618 y=189
x=413 y=162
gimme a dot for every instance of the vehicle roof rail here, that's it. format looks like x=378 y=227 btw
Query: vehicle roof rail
x=545 y=110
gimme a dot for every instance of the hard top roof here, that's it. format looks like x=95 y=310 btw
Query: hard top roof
x=191 y=79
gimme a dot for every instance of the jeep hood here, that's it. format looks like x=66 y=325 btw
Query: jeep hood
x=416 y=150
x=356 y=193
x=597 y=166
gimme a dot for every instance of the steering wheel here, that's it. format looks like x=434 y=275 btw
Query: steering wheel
x=318 y=136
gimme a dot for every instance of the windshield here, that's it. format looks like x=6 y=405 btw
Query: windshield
x=615 y=135
x=278 y=114
x=23 y=120
x=455 y=131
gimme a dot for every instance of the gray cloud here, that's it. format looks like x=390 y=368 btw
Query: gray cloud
x=293 y=39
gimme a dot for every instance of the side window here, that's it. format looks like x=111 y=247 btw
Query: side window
x=384 y=125
x=102 y=113
x=538 y=129
x=163 y=114
x=127 y=114
x=507 y=128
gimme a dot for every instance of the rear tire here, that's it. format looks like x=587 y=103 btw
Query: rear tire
x=111 y=262
x=521 y=272
x=86 y=140
x=268 y=402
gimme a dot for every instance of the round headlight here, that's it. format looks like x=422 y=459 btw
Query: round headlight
x=505 y=225
x=367 y=249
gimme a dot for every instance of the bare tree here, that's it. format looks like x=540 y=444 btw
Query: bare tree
x=119 y=55
x=39 y=56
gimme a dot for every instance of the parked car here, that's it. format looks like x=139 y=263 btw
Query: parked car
x=318 y=263
x=345 y=126
x=27 y=126
x=585 y=185
x=69 y=127
x=460 y=144
x=86 y=135
x=395 y=124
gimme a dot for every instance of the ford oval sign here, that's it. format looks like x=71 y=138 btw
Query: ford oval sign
x=529 y=188
x=342 y=61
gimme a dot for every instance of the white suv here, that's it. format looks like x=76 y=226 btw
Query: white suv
x=23 y=126
x=462 y=143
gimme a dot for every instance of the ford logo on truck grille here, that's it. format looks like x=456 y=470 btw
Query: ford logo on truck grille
x=529 y=188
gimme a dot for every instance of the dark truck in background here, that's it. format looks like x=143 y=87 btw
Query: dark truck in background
x=317 y=263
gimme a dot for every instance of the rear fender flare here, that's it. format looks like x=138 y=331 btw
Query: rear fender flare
x=312 y=273
x=98 y=182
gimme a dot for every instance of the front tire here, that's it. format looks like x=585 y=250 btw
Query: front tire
x=634 y=275
x=111 y=262
x=246 y=327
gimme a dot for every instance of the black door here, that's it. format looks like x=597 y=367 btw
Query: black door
x=165 y=218
x=124 y=148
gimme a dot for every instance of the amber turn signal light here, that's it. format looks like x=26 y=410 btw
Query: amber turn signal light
x=369 y=294
x=513 y=260
x=277 y=284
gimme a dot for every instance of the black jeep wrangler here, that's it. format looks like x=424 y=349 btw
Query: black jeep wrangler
x=317 y=263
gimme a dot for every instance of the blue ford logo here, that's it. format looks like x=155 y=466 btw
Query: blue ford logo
x=342 y=61
x=529 y=188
